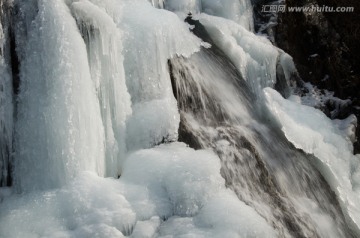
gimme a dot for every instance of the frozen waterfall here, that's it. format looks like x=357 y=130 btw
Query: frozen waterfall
x=162 y=118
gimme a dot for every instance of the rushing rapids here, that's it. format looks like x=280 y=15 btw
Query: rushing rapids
x=135 y=118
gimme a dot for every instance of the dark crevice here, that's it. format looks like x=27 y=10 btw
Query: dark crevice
x=187 y=136
x=11 y=59
x=15 y=63
x=15 y=71
x=172 y=78
x=9 y=169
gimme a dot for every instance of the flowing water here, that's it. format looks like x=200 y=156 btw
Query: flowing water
x=268 y=174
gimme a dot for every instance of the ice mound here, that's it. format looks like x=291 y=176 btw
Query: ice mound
x=170 y=190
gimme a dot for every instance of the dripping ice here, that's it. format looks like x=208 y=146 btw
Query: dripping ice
x=111 y=92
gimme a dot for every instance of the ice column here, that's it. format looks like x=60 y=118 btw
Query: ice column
x=104 y=46
x=59 y=130
x=150 y=41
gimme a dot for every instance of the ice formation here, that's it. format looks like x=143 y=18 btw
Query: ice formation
x=58 y=120
x=131 y=122
x=310 y=130
x=104 y=46
x=254 y=56
x=238 y=11
x=162 y=35
x=171 y=182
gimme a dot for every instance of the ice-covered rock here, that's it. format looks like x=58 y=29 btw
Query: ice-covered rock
x=254 y=56
x=313 y=132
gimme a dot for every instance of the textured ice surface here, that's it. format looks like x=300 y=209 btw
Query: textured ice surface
x=104 y=48
x=254 y=56
x=240 y=12
x=162 y=35
x=59 y=131
x=75 y=99
x=168 y=190
x=185 y=6
x=310 y=130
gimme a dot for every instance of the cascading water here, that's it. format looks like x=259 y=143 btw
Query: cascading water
x=209 y=90
x=126 y=123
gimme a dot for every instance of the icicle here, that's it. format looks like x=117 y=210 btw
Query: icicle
x=104 y=45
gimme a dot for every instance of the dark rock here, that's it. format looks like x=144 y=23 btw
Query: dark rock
x=325 y=47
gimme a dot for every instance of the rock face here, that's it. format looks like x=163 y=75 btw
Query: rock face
x=325 y=48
